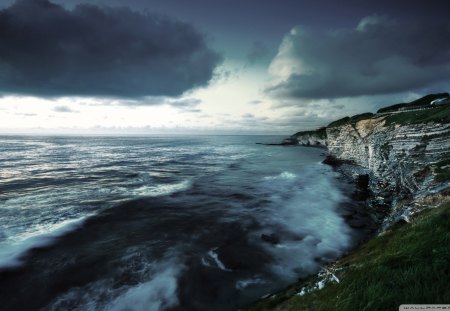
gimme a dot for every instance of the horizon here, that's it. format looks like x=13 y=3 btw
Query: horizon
x=241 y=68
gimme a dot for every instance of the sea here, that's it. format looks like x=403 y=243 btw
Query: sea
x=163 y=222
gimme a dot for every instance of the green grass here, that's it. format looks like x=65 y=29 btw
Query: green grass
x=423 y=101
x=351 y=120
x=409 y=264
x=339 y=122
x=439 y=114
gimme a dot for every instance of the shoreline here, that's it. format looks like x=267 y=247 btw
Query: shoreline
x=365 y=201
x=400 y=164
x=356 y=213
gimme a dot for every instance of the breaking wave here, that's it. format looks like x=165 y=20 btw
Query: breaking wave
x=161 y=223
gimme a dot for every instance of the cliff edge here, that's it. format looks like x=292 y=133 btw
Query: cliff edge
x=406 y=151
x=401 y=154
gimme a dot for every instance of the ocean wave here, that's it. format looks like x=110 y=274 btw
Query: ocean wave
x=162 y=189
x=159 y=293
x=156 y=290
x=312 y=228
x=244 y=283
x=282 y=176
x=272 y=217
x=11 y=255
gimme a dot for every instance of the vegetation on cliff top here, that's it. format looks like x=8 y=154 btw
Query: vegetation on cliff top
x=320 y=133
x=407 y=265
x=439 y=114
x=351 y=120
x=423 y=101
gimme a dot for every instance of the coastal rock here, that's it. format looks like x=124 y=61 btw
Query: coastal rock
x=401 y=156
x=401 y=160
x=317 y=138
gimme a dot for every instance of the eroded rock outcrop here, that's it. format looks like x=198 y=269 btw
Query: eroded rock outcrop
x=317 y=138
x=401 y=160
x=406 y=160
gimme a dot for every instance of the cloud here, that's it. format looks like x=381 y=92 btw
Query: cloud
x=47 y=50
x=26 y=114
x=248 y=116
x=255 y=102
x=184 y=102
x=257 y=52
x=63 y=109
x=379 y=56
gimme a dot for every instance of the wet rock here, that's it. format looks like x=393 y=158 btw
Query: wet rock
x=270 y=238
x=332 y=161
x=362 y=181
x=358 y=223
x=360 y=195
x=391 y=162
x=290 y=141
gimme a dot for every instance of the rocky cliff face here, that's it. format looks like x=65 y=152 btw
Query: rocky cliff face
x=402 y=160
x=317 y=138
x=312 y=140
x=405 y=162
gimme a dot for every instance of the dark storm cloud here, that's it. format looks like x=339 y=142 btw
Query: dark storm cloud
x=380 y=56
x=47 y=50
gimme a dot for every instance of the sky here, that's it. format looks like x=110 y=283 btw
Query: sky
x=213 y=66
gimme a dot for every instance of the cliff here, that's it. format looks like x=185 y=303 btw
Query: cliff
x=401 y=156
x=311 y=138
x=406 y=154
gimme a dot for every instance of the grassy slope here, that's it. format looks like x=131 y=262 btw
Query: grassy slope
x=423 y=101
x=320 y=133
x=351 y=120
x=409 y=264
x=439 y=114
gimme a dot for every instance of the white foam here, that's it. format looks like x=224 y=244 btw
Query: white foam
x=205 y=262
x=12 y=253
x=321 y=284
x=242 y=284
x=283 y=175
x=157 y=294
x=162 y=189
x=213 y=257
x=309 y=213
x=157 y=290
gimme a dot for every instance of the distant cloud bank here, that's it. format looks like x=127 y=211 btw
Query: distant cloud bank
x=47 y=50
x=379 y=56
